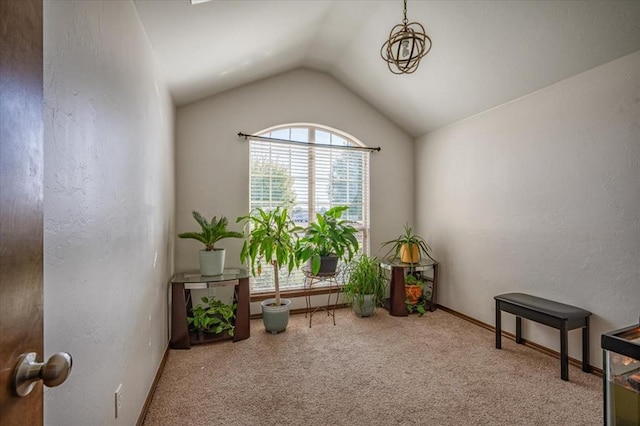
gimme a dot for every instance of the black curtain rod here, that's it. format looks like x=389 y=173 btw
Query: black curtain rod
x=288 y=142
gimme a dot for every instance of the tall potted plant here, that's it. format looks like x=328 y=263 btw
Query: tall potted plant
x=212 y=257
x=272 y=238
x=327 y=240
x=366 y=286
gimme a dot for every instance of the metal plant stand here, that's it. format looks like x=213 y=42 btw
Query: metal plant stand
x=310 y=280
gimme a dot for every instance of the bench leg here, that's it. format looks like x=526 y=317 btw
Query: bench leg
x=585 y=347
x=498 y=326
x=518 y=330
x=564 y=356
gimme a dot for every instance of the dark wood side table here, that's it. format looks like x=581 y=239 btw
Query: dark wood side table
x=397 y=295
x=181 y=286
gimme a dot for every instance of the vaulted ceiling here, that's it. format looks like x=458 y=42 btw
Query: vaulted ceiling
x=485 y=53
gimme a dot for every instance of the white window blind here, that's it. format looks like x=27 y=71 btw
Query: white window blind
x=308 y=180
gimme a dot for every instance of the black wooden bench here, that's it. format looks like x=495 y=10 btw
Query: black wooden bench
x=547 y=312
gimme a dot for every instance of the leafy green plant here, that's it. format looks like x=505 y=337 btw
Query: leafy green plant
x=366 y=277
x=212 y=231
x=423 y=302
x=408 y=239
x=272 y=238
x=215 y=317
x=329 y=235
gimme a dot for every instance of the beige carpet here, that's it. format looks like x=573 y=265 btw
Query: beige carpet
x=435 y=370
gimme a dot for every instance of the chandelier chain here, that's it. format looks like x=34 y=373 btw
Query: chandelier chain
x=405 y=20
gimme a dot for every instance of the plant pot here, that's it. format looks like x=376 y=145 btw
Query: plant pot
x=413 y=293
x=328 y=265
x=363 y=305
x=409 y=254
x=275 y=318
x=212 y=262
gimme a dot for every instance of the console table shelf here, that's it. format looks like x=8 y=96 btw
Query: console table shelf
x=181 y=286
x=397 y=295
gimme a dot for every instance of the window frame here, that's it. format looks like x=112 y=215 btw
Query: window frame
x=311 y=204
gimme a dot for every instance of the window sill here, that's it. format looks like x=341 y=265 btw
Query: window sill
x=290 y=294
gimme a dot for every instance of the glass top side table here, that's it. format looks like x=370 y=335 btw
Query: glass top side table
x=194 y=277
x=397 y=295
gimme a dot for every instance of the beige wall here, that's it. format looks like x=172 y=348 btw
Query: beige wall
x=109 y=202
x=212 y=168
x=541 y=195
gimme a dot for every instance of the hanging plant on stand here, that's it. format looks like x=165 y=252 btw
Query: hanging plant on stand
x=328 y=240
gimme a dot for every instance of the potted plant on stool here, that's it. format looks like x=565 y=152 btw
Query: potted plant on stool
x=211 y=258
x=273 y=239
x=366 y=286
x=327 y=240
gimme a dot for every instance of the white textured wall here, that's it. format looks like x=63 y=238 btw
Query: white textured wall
x=212 y=167
x=109 y=209
x=541 y=195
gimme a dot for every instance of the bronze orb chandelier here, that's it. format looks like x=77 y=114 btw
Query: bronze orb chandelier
x=407 y=44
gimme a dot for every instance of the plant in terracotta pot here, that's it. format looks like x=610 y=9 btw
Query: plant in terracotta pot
x=272 y=238
x=418 y=292
x=366 y=286
x=212 y=257
x=328 y=240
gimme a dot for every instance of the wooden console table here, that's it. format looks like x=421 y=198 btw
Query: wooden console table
x=181 y=286
x=397 y=295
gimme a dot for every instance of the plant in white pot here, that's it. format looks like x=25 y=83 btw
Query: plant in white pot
x=272 y=238
x=212 y=257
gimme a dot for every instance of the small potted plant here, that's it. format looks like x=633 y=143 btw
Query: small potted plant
x=408 y=247
x=418 y=292
x=327 y=240
x=366 y=286
x=272 y=238
x=211 y=258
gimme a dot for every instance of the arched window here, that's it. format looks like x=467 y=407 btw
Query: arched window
x=308 y=179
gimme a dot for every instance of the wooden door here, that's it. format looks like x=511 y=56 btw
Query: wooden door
x=21 y=202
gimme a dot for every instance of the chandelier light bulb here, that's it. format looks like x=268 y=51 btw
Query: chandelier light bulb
x=405 y=47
